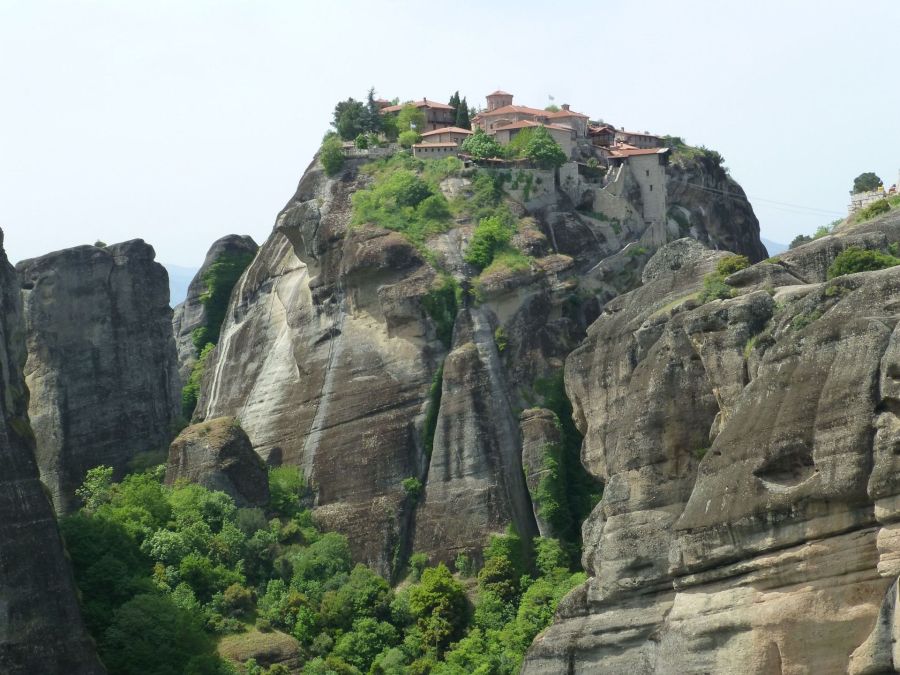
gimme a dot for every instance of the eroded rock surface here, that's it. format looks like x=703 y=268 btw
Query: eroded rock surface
x=329 y=357
x=748 y=450
x=192 y=314
x=41 y=629
x=101 y=366
x=217 y=454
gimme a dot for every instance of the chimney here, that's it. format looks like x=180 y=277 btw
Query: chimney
x=565 y=106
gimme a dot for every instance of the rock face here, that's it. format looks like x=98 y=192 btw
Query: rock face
x=191 y=314
x=41 y=629
x=330 y=354
x=218 y=455
x=101 y=360
x=748 y=447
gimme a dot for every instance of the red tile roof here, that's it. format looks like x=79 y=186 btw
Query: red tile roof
x=500 y=92
x=424 y=103
x=531 y=123
x=436 y=145
x=507 y=109
x=566 y=113
x=629 y=152
x=446 y=130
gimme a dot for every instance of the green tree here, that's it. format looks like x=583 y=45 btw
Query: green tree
x=369 y=637
x=350 y=118
x=799 y=240
x=411 y=118
x=482 y=146
x=372 y=121
x=438 y=604
x=332 y=155
x=544 y=151
x=408 y=138
x=97 y=488
x=150 y=635
x=866 y=182
x=462 y=115
x=454 y=103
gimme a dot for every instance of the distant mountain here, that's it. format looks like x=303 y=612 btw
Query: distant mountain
x=773 y=247
x=179 y=279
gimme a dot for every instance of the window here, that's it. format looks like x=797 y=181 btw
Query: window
x=651 y=188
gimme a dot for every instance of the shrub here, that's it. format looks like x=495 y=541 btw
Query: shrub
x=412 y=487
x=408 y=138
x=191 y=391
x=715 y=288
x=362 y=141
x=286 y=485
x=442 y=304
x=732 y=264
x=873 y=209
x=491 y=235
x=438 y=604
x=855 y=259
x=332 y=155
x=417 y=564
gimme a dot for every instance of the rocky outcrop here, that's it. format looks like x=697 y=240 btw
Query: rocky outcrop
x=192 y=314
x=218 y=455
x=540 y=432
x=101 y=360
x=41 y=629
x=331 y=349
x=748 y=450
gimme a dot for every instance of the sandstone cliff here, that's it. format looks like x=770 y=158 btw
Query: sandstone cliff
x=193 y=314
x=101 y=365
x=334 y=358
x=41 y=630
x=748 y=449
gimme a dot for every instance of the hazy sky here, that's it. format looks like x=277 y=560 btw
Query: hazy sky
x=181 y=121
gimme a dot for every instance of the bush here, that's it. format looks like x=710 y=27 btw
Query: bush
x=191 y=391
x=873 y=209
x=491 y=236
x=286 y=485
x=715 y=288
x=732 y=264
x=408 y=138
x=855 y=259
x=332 y=155
x=412 y=487
x=442 y=305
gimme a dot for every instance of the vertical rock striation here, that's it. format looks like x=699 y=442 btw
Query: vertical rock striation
x=192 y=314
x=101 y=365
x=748 y=447
x=41 y=629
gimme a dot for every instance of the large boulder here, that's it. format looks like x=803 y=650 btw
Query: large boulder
x=101 y=366
x=41 y=628
x=218 y=455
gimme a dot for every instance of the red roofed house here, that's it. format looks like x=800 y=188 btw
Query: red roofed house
x=437 y=115
x=501 y=113
x=638 y=139
x=565 y=136
x=435 y=150
x=446 y=135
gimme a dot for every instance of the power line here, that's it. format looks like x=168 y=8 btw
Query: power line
x=795 y=208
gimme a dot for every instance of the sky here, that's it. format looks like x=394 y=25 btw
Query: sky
x=180 y=121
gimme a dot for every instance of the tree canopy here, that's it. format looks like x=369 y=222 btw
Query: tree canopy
x=866 y=182
x=482 y=146
x=544 y=151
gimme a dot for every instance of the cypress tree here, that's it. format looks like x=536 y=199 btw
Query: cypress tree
x=462 y=115
x=454 y=103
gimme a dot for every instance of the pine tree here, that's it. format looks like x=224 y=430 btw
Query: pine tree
x=373 y=116
x=462 y=115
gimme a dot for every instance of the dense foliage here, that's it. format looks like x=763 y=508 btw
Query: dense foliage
x=405 y=196
x=543 y=151
x=491 y=236
x=481 y=146
x=164 y=572
x=332 y=155
x=460 y=111
x=352 y=118
x=873 y=209
x=855 y=259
